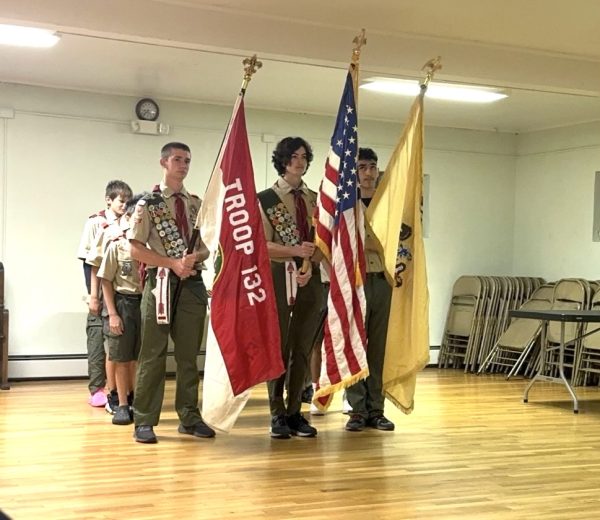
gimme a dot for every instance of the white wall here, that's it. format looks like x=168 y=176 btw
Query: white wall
x=554 y=203
x=61 y=148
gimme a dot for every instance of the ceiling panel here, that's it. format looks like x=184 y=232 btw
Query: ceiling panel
x=170 y=65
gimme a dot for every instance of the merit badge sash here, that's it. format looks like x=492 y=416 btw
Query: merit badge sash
x=280 y=218
x=165 y=224
x=162 y=295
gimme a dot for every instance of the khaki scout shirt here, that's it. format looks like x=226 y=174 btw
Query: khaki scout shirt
x=90 y=231
x=143 y=229
x=284 y=190
x=372 y=255
x=104 y=236
x=119 y=268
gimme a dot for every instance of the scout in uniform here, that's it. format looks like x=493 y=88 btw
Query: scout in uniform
x=122 y=292
x=159 y=233
x=107 y=231
x=287 y=208
x=100 y=371
x=366 y=396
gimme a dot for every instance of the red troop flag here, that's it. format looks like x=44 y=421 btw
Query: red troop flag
x=243 y=310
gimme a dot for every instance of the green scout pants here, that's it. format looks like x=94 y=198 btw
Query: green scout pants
x=126 y=347
x=366 y=396
x=297 y=324
x=95 y=352
x=186 y=332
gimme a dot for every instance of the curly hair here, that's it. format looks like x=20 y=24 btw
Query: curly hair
x=282 y=155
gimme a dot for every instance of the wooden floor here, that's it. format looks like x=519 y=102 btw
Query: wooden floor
x=471 y=449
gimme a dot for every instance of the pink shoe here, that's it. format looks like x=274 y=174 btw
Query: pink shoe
x=98 y=398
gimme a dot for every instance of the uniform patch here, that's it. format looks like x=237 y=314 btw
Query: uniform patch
x=127 y=268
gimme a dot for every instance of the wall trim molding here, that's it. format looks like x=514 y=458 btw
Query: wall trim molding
x=45 y=367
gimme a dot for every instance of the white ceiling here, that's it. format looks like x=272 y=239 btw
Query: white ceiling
x=547 y=52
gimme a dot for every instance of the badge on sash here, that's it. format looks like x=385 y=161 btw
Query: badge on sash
x=291 y=281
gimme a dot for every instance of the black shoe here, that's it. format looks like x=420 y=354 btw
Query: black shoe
x=300 y=426
x=112 y=402
x=279 y=427
x=379 y=422
x=356 y=423
x=307 y=394
x=145 y=435
x=200 y=429
x=122 y=416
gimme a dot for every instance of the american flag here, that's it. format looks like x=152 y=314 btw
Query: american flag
x=339 y=223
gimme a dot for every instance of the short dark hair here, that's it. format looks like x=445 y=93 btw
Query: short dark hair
x=282 y=155
x=132 y=202
x=367 y=154
x=116 y=188
x=167 y=149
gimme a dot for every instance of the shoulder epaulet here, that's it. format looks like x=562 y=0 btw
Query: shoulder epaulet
x=101 y=213
x=105 y=225
x=313 y=192
x=194 y=196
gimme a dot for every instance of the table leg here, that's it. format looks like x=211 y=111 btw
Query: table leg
x=542 y=363
x=561 y=367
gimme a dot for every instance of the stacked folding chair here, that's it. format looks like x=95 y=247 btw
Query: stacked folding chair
x=588 y=358
x=478 y=315
x=461 y=321
x=569 y=294
x=517 y=342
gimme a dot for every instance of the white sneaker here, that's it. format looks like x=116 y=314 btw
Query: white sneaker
x=346 y=408
x=315 y=411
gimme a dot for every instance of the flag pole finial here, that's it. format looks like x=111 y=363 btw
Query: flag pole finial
x=251 y=65
x=430 y=68
x=358 y=42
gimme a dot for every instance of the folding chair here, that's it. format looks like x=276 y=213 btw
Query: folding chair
x=569 y=294
x=516 y=342
x=460 y=321
x=588 y=360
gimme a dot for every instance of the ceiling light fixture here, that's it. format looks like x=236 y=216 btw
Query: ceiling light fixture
x=446 y=91
x=27 y=36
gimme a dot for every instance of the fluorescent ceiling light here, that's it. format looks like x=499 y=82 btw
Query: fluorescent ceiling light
x=447 y=91
x=27 y=36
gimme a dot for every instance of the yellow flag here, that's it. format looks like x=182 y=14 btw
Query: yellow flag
x=395 y=215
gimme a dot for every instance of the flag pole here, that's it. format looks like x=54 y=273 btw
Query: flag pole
x=251 y=65
x=358 y=42
x=430 y=68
